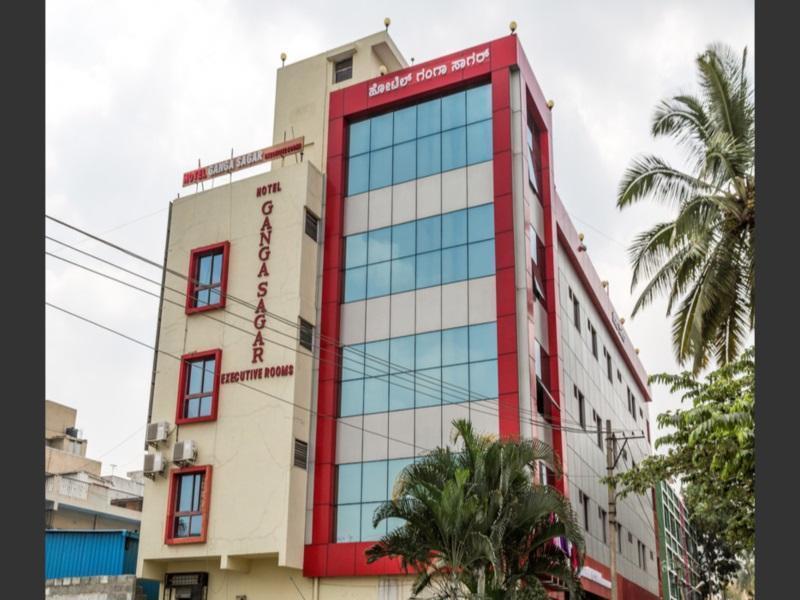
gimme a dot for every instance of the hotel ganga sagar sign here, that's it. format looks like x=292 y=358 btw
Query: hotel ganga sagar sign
x=243 y=161
x=426 y=73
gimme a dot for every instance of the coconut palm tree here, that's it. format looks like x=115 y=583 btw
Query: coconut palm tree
x=475 y=525
x=703 y=259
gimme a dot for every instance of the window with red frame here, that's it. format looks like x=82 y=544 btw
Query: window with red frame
x=199 y=388
x=208 y=274
x=537 y=264
x=187 y=517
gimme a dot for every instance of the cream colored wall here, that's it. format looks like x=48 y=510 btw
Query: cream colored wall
x=302 y=88
x=58 y=461
x=263 y=579
x=257 y=496
x=57 y=417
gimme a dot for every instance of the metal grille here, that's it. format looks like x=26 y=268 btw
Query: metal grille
x=300 y=454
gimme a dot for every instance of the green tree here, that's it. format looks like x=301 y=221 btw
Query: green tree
x=711 y=449
x=475 y=525
x=703 y=259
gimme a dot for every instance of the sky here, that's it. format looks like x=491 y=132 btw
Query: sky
x=136 y=92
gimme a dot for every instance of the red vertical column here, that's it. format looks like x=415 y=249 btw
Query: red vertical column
x=324 y=461
x=508 y=382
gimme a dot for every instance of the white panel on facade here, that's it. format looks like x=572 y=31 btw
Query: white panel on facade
x=355 y=214
x=353 y=320
x=349 y=439
x=429 y=309
x=540 y=326
x=454 y=190
x=454 y=298
x=402 y=317
x=377 y=319
x=380 y=208
x=427 y=429
x=480 y=186
x=482 y=300
x=376 y=432
x=429 y=196
x=484 y=417
x=401 y=434
x=450 y=413
x=404 y=202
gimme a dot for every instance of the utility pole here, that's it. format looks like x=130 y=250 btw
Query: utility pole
x=612 y=457
x=611 y=451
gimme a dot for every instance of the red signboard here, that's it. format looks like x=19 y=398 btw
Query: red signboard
x=243 y=161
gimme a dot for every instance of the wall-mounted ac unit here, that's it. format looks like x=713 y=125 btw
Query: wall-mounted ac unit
x=73 y=432
x=184 y=452
x=157 y=432
x=154 y=464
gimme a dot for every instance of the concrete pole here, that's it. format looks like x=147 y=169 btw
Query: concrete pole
x=611 y=451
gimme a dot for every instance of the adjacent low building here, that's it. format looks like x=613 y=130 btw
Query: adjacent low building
x=77 y=496
x=406 y=261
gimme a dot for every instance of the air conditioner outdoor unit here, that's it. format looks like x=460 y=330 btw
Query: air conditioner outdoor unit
x=157 y=432
x=184 y=452
x=154 y=464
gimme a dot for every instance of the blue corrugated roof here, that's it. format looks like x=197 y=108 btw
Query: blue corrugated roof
x=84 y=553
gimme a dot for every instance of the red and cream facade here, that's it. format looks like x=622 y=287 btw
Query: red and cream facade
x=557 y=359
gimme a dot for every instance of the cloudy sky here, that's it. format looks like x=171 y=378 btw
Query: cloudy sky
x=136 y=92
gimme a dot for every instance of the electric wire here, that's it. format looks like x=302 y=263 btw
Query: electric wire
x=426 y=381
x=296 y=350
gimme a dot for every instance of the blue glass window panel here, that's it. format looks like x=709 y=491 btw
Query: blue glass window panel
x=348 y=523
x=355 y=250
x=401 y=353
x=454 y=149
x=429 y=350
x=479 y=142
x=195 y=376
x=368 y=532
x=349 y=483
x=396 y=466
x=454 y=264
x=483 y=380
x=481 y=222
x=429 y=119
x=355 y=284
x=373 y=477
x=352 y=362
x=482 y=342
x=455 y=346
x=208 y=374
x=455 y=383
x=401 y=391
x=394 y=523
x=481 y=259
x=204 y=269
x=378 y=280
x=429 y=155
x=377 y=358
x=429 y=269
x=405 y=162
x=185 y=499
x=403 y=278
x=380 y=134
x=404 y=239
x=454 y=228
x=454 y=111
x=405 y=124
x=376 y=395
x=359 y=138
x=352 y=398
x=380 y=245
x=428 y=387
x=479 y=103
x=216 y=270
x=358 y=174
x=429 y=234
x=380 y=168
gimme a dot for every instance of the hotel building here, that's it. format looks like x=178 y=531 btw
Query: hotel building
x=412 y=265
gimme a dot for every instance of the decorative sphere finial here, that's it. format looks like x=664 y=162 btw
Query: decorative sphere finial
x=383 y=70
x=283 y=58
x=550 y=104
x=512 y=26
x=386 y=22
